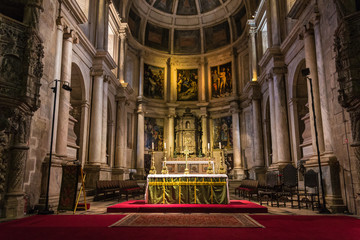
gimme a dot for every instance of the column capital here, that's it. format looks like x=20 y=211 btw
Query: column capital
x=70 y=35
x=309 y=28
x=107 y=78
x=252 y=25
x=96 y=72
x=234 y=107
x=279 y=70
x=60 y=23
x=255 y=91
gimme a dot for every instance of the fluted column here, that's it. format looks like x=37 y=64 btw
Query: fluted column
x=252 y=32
x=121 y=126
x=140 y=127
x=282 y=128
x=274 y=157
x=255 y=96
x=104 y=121
x=204 y=126
x=324 y=103
x=171 y=132
x=96 y=118
x=238 y=166
x=85 y=106
x=311 y=63
x=275 y=23
x=64 y=98
x=57 y=73
x=122 y=35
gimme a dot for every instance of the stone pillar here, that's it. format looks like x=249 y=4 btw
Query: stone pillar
x=64 y=98
x=202 y=84
x=122 y=55
x=84 y=131
x=234 y=66
x=258 y=145
x=275 y=23
x=274 y=157
x=204 y=126
x=104 y=121
x=252 y=32
x=57 y=73
x=238 y=171
x=140 y=168
x=121 y=125
x=311 y=63
x=14 y=198
x=324 y=103
x=282 y=127
x=101 y=25
x=171 y=132
x=96 y=118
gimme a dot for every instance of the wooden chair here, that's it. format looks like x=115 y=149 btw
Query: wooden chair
x=271 y=189
x=289 y=180
x=310 y=195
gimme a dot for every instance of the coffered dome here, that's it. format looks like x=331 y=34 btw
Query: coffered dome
x=186 y=26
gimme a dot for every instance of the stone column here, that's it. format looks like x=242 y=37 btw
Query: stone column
x=171 y=133
x=140 y=168
x=204 y=126
x=274 y=157
x=122 y=54
x=234 y=65
x=57 y=73
x=258 y=145
x=121 y=125
x=275 y=23
x=101 y=25
x=104 y=121
x=238 y=171
x=282 y=128
x=64 y=98
x=324 y=104
x=311 y=63
x=252 y=32
x=202 y=84
x=84 y=131
x=96 y=118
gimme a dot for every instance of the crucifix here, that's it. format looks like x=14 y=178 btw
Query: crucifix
x=186 y=151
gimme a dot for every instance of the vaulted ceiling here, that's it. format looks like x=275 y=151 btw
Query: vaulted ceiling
x=186 y=26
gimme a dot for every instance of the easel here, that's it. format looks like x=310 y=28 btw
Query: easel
x=82 y=188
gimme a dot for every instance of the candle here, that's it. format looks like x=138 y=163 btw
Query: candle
x=208 y=146
x=165 y=146
x=152 y=145
x=220 y=145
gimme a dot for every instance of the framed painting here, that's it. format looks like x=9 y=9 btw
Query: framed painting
x=187 y=84
x=194 y=168
x=154 y=133
x=153 y=81
x=223 y=132
x=181 y=168
x=221 y=80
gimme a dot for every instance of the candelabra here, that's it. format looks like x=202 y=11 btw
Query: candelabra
x=186 y=151
x=164 y=169
x=222 y=170
x=210 y=169
x=152 y=169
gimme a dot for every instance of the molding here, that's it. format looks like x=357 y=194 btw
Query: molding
x=298 y=8
x=76 y=11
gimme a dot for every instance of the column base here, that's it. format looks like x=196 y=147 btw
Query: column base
x=278 y=166
x=140 y=174
x=257 y=173
x=238 y=173
x=119 y=174
x=95 y=172
x=14 y=205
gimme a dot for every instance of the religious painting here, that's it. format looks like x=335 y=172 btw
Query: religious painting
x=187 y=84
x=154 y=133
x=240 y=20
x=157 y=37
x=223 y=132
x=187 y=41
x=186 y=7
x=164 y=5
x=204 y=168
x=171 y=168
x=181 y=168
x=217 y=36
x=221 y=80
x=194 y=168
x=208 y=5
x=153 y=81
x=134 y=23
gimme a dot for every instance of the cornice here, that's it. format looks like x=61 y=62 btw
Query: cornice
x=76 y=11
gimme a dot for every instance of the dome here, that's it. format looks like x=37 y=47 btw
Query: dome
x=186 y=26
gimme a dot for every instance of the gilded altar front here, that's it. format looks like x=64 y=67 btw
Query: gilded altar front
x=187 y=189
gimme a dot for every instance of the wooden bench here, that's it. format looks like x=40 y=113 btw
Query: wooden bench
x=112 y=188
x=247 y=188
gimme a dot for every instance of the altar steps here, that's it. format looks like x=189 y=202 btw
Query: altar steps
x=235 y=206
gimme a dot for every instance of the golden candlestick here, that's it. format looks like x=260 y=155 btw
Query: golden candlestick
x=164 y=168
x=222 y=170
x=210 y=169
x=186 y=151
x=152 y=169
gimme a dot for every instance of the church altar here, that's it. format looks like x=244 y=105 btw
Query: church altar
x=195 y=166
x=187 y=189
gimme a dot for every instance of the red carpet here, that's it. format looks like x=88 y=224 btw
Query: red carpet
x=235 y=206
x=68 y=227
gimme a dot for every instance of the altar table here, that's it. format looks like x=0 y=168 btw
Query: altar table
x=187 y=189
